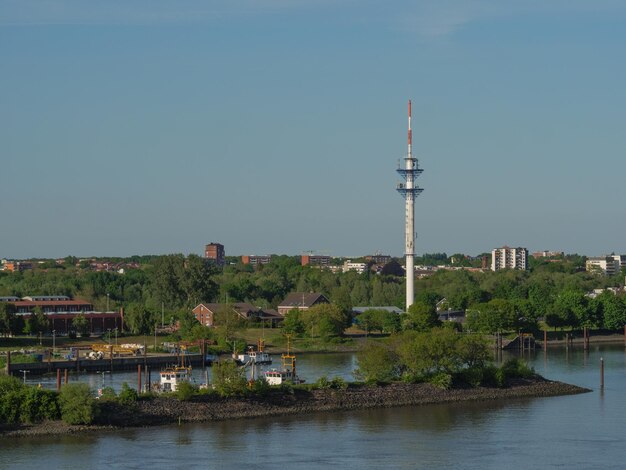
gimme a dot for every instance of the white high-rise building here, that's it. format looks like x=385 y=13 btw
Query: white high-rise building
x=509 y=258
x=607 y=265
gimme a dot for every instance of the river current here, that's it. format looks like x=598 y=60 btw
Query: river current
x=580 y=431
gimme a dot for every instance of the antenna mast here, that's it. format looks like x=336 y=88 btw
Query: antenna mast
x=410 y=191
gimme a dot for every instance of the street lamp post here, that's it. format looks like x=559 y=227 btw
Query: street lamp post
x=25 y=372
x=109 y=335
x=107 y=301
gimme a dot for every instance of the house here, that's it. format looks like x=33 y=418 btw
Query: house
x=205 y=312
x=301 y=301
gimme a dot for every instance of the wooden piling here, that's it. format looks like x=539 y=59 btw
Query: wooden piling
x=9 y=358
x=58 y=380
x=601 y=372
x=138 y=378
x=67 y=377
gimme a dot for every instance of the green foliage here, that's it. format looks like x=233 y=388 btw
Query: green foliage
x=81 y=324
x=325 y=320
x=420 y=317
x=77 y=404
x=613 y=309
x=127 y=395
x=441 y=380
x=108 y=393
x=259 y=387
x=228 y=379
x=185 y=391
x=11 y=390
x=516 y=368
x=378 y=363
x=38 y=405
x=337 y=383
x=293 y=323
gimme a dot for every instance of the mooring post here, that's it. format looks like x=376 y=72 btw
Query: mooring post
x=601 y=372
x=138 y=378
x=202 y=348
x=58 y=380
x=67 y=378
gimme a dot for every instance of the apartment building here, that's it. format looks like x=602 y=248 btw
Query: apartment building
x=509 y=258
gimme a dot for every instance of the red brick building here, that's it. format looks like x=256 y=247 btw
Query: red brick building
x=215 y=253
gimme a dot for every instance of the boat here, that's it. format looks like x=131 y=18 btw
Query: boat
x=252 y=356
x=172 y=376
x=288 y=372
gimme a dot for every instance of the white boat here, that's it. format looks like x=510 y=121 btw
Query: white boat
x=288 y=372
x=171 y=377
x=252 y=356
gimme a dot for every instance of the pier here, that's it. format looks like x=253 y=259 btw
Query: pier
x=110 y=364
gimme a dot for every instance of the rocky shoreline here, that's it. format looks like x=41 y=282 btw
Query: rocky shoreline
x=167 y=410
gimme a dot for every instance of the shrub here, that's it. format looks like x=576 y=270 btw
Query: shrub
x=38 y=405
x=338 y=383
x=127 y=395
x=259 y=387
x=515 y=367
x=377 y=363
x=185 y=391
x=10 y=406
x=108 y=393
x=441 y=380
x=77 y=404
x=228 y=379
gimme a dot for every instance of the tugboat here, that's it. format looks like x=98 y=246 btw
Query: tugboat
x=288 y=371
x=172 y=376
x=257 y=357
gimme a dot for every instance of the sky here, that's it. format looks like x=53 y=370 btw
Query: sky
x=131 y=127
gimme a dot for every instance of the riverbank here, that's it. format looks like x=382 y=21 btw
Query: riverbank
x=167 y=410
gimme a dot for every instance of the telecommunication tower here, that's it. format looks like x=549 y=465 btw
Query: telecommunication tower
x=409 y=171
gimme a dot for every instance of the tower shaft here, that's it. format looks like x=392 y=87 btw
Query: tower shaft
x=410 y=171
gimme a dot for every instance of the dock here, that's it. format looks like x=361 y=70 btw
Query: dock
x=108 y=364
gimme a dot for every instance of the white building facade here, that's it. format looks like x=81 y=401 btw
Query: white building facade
x=509 y=258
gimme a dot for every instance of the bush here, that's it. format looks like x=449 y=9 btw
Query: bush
x=377 y=363
x=77 y=404
x=228 y=379
x=185 y=391
x=515 y=367
x=441 y=380
x=108 y=393
x=38 y=405
x=259 y=387
x=127 y=395
x=10 y=406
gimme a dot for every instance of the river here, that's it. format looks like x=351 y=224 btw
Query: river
x=580 y=431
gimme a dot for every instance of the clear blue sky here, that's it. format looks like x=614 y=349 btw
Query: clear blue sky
x=148 y=127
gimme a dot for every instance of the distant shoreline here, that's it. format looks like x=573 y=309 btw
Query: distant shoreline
x=167 y=410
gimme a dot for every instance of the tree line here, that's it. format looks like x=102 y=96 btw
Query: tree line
x=169 y=286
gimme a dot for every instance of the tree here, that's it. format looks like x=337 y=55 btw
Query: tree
x=293 y=323
x=227 y=322
x=139 y=320
x=420 y=317
x=392 y=268
x=37 y=322
x=614 y=310
x=228 y=378
x=7 y=318
x=377 y=363
x=325 y=320
x=77 y=404
x=81 y=324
